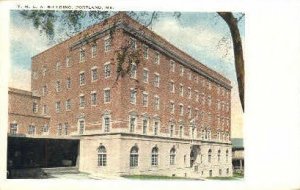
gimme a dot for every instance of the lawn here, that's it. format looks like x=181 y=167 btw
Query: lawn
x=154 y=177
x=235 y=176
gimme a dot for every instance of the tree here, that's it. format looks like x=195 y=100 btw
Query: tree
x=45 y=21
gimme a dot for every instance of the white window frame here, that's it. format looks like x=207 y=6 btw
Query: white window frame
x=106 y=127
x=172 y=86
x=107 y=43
x=145 y=75
x=181 y=90
x=68 y=61
x=13 y=128
x=107 y=70
x=145 y=51
x=145 y=127
x=82 y=78
x=189 y=93
x=133 y=95
x=94 y=50
x=68 y=105
x=82 y=101
x=156 y=128
x=68 y=82
x=145 y=99
x=58 y=86
x=58 y=106
x=94 y=98
x=156 y=80
x=156 y=58
x=172 y=66
x=133 y=70
x=80 y=130
x=132 y=126
x=172 y=107
x=181 y=110
x=156 y=102
x=107 y=99
x=94 y=73
x=82 y=55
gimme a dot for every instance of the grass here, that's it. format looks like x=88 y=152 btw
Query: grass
x=153 y=177
x=234 y=177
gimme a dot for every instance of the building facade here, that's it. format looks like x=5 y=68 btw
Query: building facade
x=138 y=104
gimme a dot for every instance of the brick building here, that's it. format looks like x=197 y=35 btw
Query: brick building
x=159 y=111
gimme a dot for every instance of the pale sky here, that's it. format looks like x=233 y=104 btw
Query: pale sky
x=198 y=34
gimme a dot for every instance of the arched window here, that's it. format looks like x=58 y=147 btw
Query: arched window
x=209 y=155
x=227 y=155
x=134 y=156
x=154 y=156
x=102 y=156
x=172 y=156
x=219 y=155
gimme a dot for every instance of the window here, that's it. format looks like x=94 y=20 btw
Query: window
x=81 y=127
x=59 y=130
x=172 y=107
x=81 y=101
x=156 y=125
x=132 y=44
x=227 y=171
x=133 y=96
x=172 y=86
x=68 y=83
x=190 y=75
x=94 y=74
x=106 y=95
x=58 y=87
x=181 y=70
x=81 y=55
x=219 y=155
x=220 y=172
x=44 y=90
x=156 y=58
x=93 y=98
x=171 y=130
x=209 y=156
x=180 y=131
x=107 y=70
x=35 y=107
x=145 y=99
x=57 y=107
x=156 y=80
x=106 y=124
x=68 y=104
x=145 y=51
x=133 y=70
x=209 y=85
x=154 y=156
x=94 y=50
x=107 y=44
x=31 y=130
x=172 y=156
x=13 y=129
x=66 y=128
x=196 y=96
x=134 y=157
x=44 y=70
x=181 y=109
x=68 y=61
x=45 y=110
x=156 y=102
x=132 y=124
x=102 y=156
x=226 y=155
x=189 y=112
x=181 y=90
x=145 y=126
x=45 y=129
x=58 y=66
x=81 y=79
x=145 y=75
x=210 y=173
x=189 y=93
x=172 y=66
x=209 y=101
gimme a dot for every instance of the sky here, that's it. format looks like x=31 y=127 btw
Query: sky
x=204 y=36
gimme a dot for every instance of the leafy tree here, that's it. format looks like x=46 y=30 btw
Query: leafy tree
x=54 y=23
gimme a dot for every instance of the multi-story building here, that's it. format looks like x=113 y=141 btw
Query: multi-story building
x=138 y=104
